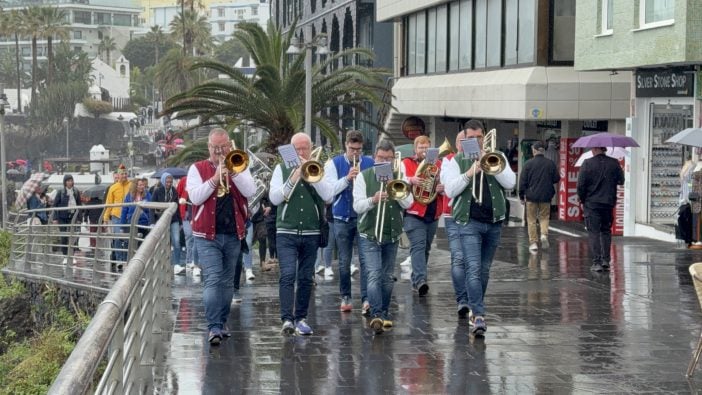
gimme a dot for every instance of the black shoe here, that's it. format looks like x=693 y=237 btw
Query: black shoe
x=423 y=289
x=463 y=311
x=605 y=266
x=597 y=267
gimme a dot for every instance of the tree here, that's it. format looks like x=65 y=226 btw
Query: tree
x=106 y=46
x=54 y=24
x=193 y=30
x=174 y=74
x=71 y=66
x=157 y=38
x=32 y=23
x=140 y=52
x=273 y=100
x=230 y=51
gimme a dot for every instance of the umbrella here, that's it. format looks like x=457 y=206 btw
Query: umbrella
x=96 y=191
x=178 y=141
x=605 y=139
x=28 y=189
x=21 y=162
x=689 y=136
x=614 y=152
x=176 y=172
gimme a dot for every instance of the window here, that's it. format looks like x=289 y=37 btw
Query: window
x=220 y=12
x=122 y=19
x=431 y=40
x=412 y=44
x=77 y=49
x=81 y=17
x=254 y=11
x=656 y=12
x=102 y=18
x=421 y=42
x=454 y=18
x=480 y=33
x=562 y=35
x=511 y=26
x=527 y=31
x=607 y=16
x=221 y=26
x=77 y=35
x=441 y=39
x=494 y=34
x=465 y=29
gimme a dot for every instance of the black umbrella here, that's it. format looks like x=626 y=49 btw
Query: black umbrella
x=176 y=172
x=96 y=191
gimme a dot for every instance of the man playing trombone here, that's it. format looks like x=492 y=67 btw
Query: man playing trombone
x=341 y=172
x=380 y=227
x=478 y=209
x=300 y=207
x=219 y=225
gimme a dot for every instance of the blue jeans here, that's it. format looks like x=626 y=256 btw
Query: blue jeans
x=248 y=257
x=345 y=234
x=380 y=265
x=458 y=273
x=190 y=250
x=420 y=235
x=118 y=243
x=175 y=244
x=296 y=256
x=479 y=241
x=218 y=259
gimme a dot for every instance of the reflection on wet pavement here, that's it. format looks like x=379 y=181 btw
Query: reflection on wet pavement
x=553 y=327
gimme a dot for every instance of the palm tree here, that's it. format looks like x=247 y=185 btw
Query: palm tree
x=193 y=30
x=174 y=74
x=55 y=24
x=17 y=22
x=158 y=38
x=273 y=100
x=32 y=22
x=106 y=46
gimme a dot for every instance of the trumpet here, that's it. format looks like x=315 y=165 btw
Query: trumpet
x=312 y=171
x=236 y=161
x=397 y=189
x=493 y=162
x=425 y=193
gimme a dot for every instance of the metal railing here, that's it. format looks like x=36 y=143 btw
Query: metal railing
x=124 y=334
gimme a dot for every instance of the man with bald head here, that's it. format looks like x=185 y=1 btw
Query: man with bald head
x=300 y=208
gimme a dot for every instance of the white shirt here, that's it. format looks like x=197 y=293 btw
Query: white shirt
x=454 y=182
x=332 y=177
x=200 y=190
x=280 y=189
x=363 y=203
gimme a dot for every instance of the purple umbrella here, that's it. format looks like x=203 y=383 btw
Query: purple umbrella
x=605 y=139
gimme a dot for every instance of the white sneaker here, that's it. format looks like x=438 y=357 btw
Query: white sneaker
x=189 y=266
x=328 y=272
x=407 y=262
x=249 y=274
x=544 y=241
x=178 y=269
x=197 y=272
x=533 y=247
x=319 y=269
x=354 y=269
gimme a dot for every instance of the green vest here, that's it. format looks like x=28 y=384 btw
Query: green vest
x=460 y=205
x=392 y=228
x=301 y=213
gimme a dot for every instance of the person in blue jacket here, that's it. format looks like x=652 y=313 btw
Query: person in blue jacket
x=137 y=193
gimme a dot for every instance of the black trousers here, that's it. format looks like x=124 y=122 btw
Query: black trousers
x=64 y=227
x=599 y=231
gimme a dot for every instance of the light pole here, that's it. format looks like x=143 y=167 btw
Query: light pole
x=128 y=133
x=320 y=43
x=3 y=169
x=67 y=124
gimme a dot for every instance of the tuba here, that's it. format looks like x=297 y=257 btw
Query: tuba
x=425 y=192
x=261 y=174
x=492 y=162
x=236 y=161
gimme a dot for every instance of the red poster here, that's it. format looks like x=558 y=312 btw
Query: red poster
x=618 y=215
x=568 y=204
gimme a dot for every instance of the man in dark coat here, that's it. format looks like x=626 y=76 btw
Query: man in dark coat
x=536 y=191
x=68 y=196
x=597 y=191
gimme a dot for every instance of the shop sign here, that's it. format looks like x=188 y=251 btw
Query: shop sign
x=595 y=126
x=549 y=124
x=568 y=204
x=664 y=83
x=413 y=127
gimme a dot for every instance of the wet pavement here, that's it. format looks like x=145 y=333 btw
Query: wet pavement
x=553 y=327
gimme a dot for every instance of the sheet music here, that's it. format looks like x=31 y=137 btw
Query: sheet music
x=383 y=172
x=289 y=155
x=471 y=148
x=432 y=155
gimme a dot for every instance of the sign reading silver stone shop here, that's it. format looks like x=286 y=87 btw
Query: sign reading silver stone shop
x=664 y=83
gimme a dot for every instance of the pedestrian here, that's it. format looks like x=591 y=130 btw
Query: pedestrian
x=38 y=200
x=597 y=191
x=186 y=213
x=379 y=250
x=341 y=172
x=479 y=222
x=68 y=197
x=137 y=193
x=150 y=112
x=536 y=191
x=219 y=226
x=167 y=193
x=301 y=206
x=115 y=195
x=323 y=264
x=421 y=220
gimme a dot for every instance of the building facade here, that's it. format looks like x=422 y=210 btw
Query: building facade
x=660 y=41
x=224 y=16
x=346 y=24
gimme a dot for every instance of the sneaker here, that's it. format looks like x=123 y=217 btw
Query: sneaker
x=346 y=305
x=225 y=332
x=249 y=274
x=463 y=310
x=387 y=323
x=197 y=272
x=422 y=289
x=365 y=309
x=479 y=326
x=190 y=266
x=319 y=269
x=302 y=328
x=215 y=336
x=236 y=298
x=288 y=328
x=178 y=269
x=596 y=267
x=533 y=247
x=544 y=241
x=377 y=325
x=471 y=318
x=328 y=272
x=407 y=262
x=354 y=269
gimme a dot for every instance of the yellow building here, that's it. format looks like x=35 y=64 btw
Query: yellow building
x=149 y=5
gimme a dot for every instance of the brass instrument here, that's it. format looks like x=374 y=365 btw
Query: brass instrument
x=396 y=189
x=262 y=178
x=312 y=171
x=236 y=161
x=492 y=162
x=425 y=192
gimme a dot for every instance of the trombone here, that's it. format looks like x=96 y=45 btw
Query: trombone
x=311 y=171
x=236 y=161
x=493 y=162
x=397 y=189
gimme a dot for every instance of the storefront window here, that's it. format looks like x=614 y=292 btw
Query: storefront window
x=494 y=34
x=480 y=33
x=466 y=39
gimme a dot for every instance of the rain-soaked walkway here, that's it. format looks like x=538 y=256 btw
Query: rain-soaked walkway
x=553 y=327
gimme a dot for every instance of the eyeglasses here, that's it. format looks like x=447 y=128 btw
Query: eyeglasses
x=220 y=148
x=354 y=149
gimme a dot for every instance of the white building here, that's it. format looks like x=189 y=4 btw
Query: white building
x=224 y=16
x=116 y=80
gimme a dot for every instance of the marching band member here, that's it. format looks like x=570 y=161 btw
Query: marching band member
x=218 y=225
x=300 y=207
x=378 y=255
x=479 y=224
x=341 y=172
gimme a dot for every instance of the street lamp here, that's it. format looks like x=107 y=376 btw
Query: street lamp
x=3 y=169
x=67 y=124
x=130 y=143
x=320 y=43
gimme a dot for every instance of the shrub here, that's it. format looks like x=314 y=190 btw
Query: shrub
x=97 y=107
